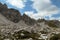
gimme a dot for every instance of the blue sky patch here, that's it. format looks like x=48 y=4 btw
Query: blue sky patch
x=56 y=2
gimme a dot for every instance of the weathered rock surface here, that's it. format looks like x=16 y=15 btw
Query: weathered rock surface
x=28 y=20
x=12 y=21
x=11 y=14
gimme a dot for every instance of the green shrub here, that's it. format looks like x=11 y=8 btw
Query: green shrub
x=27 y=35
x=55 y=37
x=18 y=34
x=51 y=24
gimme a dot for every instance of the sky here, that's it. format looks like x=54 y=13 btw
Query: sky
x=36 y=9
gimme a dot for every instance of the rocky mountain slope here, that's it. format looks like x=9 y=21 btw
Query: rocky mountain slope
x=12 y=17
x=12 y=21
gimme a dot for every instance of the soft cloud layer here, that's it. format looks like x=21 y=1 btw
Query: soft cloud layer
x=43 y=8
x=17 y=3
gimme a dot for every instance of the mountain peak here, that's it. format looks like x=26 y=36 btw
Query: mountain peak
x=14 y=15
x=11 y=14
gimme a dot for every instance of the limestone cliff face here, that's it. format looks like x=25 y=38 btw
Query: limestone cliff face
x=28 y=20
x=14 y=15
x=3 y=7
x=11 y=14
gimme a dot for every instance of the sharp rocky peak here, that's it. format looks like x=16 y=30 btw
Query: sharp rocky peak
x=14 y=15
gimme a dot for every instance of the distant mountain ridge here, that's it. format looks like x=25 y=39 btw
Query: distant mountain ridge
x=13 y=18
x=14 y=15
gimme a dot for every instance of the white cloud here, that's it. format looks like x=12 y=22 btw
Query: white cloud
x=43 y=8
x=41 y=4
x=17 y=3
x=53 y=18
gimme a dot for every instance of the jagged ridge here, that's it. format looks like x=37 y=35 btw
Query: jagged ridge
x=12 y=21
x=14 y=15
